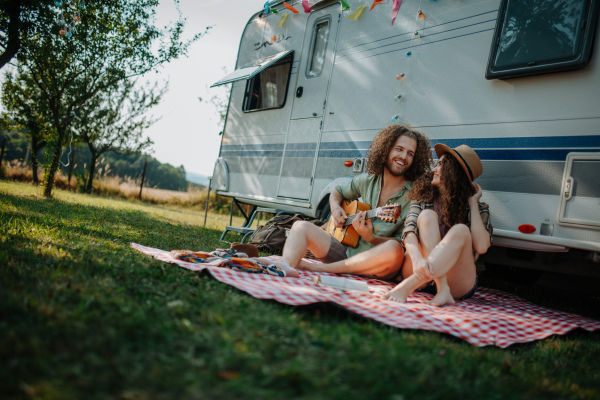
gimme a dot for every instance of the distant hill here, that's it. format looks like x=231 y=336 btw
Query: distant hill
x=197 y=178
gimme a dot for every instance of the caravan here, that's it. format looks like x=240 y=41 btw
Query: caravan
x=518 y=81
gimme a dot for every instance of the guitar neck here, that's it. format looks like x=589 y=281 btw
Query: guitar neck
x=370 y=214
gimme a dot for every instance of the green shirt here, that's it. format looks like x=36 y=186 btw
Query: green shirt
x=368 y=187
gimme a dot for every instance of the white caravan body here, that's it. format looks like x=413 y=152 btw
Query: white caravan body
x=309 y=95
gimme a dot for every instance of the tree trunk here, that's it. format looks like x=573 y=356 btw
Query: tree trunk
x=2 y=154
x=51 y=172
x=71 y=167
x=88 y=188
x=34 y=166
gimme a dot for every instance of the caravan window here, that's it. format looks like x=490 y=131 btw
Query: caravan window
x=268 y=89
x=541 y=36
x=317 y=48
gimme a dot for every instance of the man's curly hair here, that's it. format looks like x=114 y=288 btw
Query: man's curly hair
x=382 y=144
x=453 y=193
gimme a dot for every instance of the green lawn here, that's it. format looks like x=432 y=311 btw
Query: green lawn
x=84 y=316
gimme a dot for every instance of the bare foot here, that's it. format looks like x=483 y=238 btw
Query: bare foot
x=262 y=260
x=442 y=298
x=399 y=294
x=289 y=271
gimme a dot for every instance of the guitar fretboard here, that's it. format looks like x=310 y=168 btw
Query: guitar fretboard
x=370 y=214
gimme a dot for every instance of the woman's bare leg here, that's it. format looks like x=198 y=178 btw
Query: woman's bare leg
x=429 y=237
x=452 y=264
x=383 y=261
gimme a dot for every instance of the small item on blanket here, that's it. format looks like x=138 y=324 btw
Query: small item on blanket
x=343 y=284
x=227 y=259
x=250 y=249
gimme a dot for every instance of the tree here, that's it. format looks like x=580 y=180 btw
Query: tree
x=17 y=19
x=115 y=119
x=116 y=40
x=19 y=94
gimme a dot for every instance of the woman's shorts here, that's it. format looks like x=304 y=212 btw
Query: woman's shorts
x=431 y=289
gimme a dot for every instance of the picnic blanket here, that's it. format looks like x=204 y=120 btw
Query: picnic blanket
x=490 y=317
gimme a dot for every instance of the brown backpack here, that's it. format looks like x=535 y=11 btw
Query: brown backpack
x=272 y=234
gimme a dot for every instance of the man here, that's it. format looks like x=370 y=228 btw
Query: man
x=396 y=157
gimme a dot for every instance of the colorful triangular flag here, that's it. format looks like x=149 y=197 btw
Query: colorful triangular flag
x=345 y=5
x=375 y=2
x=284 y=17
x=292 y=9
x=356 y=14
x=395 y=8
x=306 y=6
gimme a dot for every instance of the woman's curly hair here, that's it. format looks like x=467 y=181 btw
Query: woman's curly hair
x=453 y=193
x=382 y=144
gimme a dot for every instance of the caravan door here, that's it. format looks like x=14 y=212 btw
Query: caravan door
x=310 y=93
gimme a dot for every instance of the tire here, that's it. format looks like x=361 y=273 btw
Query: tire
x=325 y=213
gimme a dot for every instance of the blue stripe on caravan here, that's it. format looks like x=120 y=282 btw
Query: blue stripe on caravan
x=523 y=148
x=525 y=142
x=526 y=154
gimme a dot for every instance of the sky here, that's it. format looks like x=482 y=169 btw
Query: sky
x=188 y=132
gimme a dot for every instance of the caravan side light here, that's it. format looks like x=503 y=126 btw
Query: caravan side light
x=526 y=228
x=348 y=163
x=409 y=53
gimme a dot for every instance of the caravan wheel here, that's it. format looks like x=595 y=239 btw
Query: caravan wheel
x=325 y=212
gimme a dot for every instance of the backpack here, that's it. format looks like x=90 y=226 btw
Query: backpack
x=272 y=234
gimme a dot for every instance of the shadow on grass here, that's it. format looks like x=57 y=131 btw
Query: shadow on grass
x=84 y=316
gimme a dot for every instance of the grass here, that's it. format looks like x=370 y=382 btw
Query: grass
x=83 y=315
x=127 y=188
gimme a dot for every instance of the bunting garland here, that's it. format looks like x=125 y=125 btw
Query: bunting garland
x=345 y=5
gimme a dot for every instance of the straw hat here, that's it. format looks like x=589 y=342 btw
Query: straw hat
x=466 y=156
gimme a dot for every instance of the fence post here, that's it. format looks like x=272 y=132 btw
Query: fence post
x=143 y=177
x=71 y=167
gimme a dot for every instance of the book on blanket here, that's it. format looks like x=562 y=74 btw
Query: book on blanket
x=341 y=283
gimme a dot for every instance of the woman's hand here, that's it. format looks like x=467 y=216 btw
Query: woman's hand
x=363 y=226
x=421 y=269
x=478 y=193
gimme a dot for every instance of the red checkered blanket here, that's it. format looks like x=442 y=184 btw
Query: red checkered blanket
x=490 y=317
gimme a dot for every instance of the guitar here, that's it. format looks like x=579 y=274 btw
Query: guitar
x=347 y=235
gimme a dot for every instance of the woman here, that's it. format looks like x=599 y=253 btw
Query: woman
x=446 y=230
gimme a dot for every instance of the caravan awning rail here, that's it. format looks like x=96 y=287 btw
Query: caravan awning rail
x=249 y=70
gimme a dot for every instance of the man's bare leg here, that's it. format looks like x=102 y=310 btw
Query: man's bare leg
x=383 y=261
x=302 y=237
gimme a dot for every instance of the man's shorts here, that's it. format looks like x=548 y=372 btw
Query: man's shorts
x=337 y=252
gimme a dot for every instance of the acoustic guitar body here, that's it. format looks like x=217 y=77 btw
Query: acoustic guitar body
x=347 y=235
